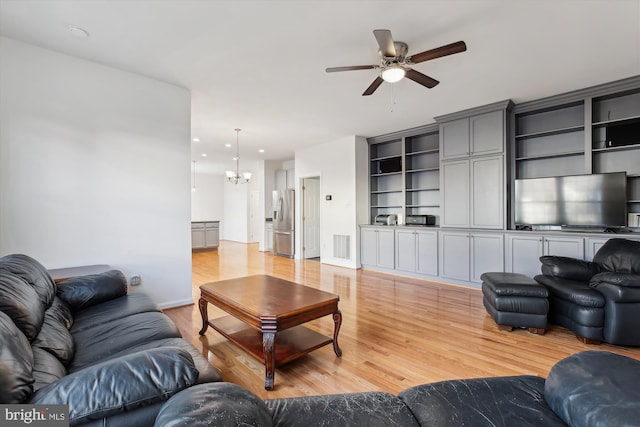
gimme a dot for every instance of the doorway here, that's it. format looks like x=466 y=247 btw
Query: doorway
x=311 y=217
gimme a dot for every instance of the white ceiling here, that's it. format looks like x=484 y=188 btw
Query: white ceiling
x=259 y=65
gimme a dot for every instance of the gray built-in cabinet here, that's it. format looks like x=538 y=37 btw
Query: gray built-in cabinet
x=472 y=164
x=463 y=168
x=417 y=250
x=377 y=247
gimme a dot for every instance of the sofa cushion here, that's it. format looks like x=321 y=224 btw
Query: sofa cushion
x=490 y=402
x=119 y=336
x=619 y=255
x=120 y=385
x=206 y=372
x=46 y=368
x=595 y=388
x=55 y=338
x=33 y=273
x=21 y=303
x=345 y=410
x=61 y=312
x=84 y=291
x=132 y=303
x=217 y=404
x=16 y=363
x=576 y=292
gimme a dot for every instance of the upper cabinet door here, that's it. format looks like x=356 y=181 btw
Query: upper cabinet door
x=487 y=133
x=454 y=139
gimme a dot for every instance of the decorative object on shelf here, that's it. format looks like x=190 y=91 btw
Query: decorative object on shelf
x=395 y=62
x=193 y=171
x=235 y=177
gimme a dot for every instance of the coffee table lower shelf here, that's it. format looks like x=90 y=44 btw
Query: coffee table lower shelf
x=290 y=344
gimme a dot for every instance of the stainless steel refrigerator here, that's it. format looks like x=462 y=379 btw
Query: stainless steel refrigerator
x=283 y=222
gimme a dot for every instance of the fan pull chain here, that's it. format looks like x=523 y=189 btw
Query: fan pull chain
x=393 y=96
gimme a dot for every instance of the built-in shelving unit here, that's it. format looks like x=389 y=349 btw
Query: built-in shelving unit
x=405 y=172
x=550 y=141
x=594 y=130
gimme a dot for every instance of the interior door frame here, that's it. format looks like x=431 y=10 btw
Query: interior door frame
x=303 y=234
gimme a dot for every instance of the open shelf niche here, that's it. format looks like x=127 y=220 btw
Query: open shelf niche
x=405 y=173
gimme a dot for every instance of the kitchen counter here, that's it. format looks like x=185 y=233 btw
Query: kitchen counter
x=205 y=234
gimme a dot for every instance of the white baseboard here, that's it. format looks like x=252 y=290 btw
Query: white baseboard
x=178 y=303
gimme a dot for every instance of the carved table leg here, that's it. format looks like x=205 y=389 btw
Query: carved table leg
x=268 y=342
x=202 y=304
x=337 y=321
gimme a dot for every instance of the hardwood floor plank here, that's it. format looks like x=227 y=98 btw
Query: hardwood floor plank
x=396 y=332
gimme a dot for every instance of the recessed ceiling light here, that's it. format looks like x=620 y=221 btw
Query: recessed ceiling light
x=227 y=145
x=196 y=139
x=261 y=150
x=78 y=32
x=204 y=154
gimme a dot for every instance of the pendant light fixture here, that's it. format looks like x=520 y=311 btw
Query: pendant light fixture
x=235 y=177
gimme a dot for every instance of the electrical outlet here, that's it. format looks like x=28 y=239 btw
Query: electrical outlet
x=135 y=280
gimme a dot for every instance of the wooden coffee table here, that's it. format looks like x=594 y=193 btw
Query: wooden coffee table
x=266 y=317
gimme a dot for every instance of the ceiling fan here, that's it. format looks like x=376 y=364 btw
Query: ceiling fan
x=395 y=62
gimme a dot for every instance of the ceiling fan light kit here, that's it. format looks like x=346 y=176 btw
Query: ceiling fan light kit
x=395 y=62
x=393 y=73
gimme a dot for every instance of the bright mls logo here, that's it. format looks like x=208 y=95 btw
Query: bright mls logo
x=34 y=415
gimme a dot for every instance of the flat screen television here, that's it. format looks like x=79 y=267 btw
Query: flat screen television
x=391 y=165
x=598 y=200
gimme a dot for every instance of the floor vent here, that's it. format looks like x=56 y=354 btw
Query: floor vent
x=342 y=246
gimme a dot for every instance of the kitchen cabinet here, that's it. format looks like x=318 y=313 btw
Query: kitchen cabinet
x=268 y=236
x=465 y=256
x=377 y=247
x=524 y=251
x=205 y=235
x=417 y=251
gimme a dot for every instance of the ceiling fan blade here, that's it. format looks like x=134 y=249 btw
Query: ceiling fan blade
x=372 y=88
x=438 y=52
x=354 y=67
x=385 y=41
x=420 y=78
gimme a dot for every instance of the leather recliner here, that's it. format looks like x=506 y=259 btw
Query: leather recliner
x=599 y=300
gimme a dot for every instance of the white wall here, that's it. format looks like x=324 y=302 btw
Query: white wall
x=95 y=168
x=236 y=206
x=207 y=202
x=339 y=166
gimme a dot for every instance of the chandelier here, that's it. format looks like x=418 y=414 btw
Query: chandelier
x=235 y=177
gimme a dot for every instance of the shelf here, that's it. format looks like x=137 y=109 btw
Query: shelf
x=386 y=206
x=385 y=157
x=385 y=191
x=620 y=148
x=423 y=206
x=551 y=155
x=422 y=189
x=433 y=150
x=385 y=174
x=551 y=132
x=615 y=121
x=424 y=169
x=633 y=201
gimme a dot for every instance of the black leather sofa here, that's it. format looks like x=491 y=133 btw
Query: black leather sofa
x=591 y=388
x=598 y=300
x=110 y=355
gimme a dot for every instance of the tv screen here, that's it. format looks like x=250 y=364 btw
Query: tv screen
x=390 y=165
x=598 y=200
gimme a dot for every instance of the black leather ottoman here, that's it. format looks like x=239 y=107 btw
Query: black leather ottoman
x=515 y=301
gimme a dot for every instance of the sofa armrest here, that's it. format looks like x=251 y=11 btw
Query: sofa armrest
x=121 y=385
x=84 y=291
x=618 y=287
x=568 y=268
x=620 y=279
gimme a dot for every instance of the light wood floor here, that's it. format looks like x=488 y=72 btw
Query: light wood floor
x=397 y=332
